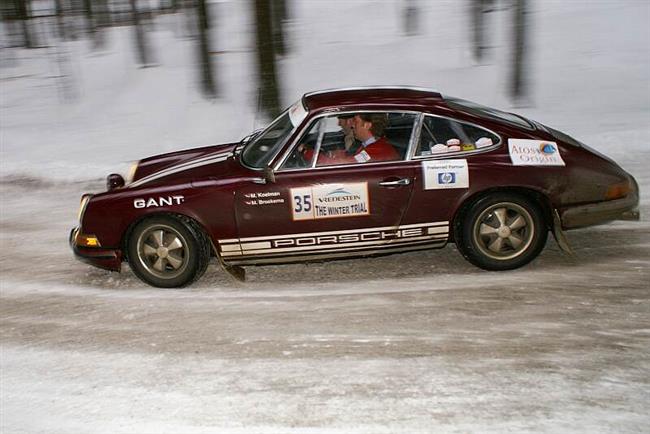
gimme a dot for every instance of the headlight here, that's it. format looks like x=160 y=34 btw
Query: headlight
x=82 y=206
x=131 y=174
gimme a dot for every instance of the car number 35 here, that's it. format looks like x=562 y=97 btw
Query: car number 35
x=302 y=203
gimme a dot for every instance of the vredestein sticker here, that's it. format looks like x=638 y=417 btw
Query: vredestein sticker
x=330 y=200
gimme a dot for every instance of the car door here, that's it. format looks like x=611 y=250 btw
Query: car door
x=326 y=211
x=445 y=162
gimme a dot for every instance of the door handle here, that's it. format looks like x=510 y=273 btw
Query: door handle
x=403 y=181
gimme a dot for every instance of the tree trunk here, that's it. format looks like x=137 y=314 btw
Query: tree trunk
x=61 y=28
x=519 y=85
x=90 y=19
x=268 y=81
x=410 y=17
x=24 y=12
x=279 y=17
x=208 y=85
x=103 y=13
x=479 y=11
x=140 y=39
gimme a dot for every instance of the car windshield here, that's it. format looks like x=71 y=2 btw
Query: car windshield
x=486 y=112
x=259 y=152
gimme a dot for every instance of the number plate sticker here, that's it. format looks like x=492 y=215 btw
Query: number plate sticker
x=330 y=200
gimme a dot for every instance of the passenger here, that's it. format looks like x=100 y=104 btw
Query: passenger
x=351 y=145
x=371 y=145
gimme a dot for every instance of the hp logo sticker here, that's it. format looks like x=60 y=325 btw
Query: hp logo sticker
x=446 y=178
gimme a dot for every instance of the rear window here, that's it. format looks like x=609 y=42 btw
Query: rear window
x=487 y=112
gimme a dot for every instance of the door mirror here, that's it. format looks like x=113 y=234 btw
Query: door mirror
x=269 y=174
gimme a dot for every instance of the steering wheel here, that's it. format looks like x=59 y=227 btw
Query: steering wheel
x=297 y=160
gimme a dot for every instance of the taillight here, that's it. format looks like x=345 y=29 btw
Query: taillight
x=618 y=190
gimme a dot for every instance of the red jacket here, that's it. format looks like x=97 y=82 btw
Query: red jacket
x=381 y=150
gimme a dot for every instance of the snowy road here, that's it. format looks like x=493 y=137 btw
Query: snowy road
x=419 y=342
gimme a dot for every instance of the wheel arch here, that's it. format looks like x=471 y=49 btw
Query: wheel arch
x=181 y=216
x=538 y=197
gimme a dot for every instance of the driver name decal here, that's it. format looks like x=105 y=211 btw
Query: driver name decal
x=330 y=200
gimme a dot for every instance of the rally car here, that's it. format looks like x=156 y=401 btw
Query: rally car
x=313 y=186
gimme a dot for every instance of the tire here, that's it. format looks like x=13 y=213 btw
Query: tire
x=168 y=251
x=501 y=231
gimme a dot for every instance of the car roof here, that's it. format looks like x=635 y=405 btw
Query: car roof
x=356 y=96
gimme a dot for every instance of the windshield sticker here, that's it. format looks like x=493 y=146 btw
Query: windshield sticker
x=297 y=113
x=445 y=174
x=525 y=152
x=330 y=200
x=263 y=198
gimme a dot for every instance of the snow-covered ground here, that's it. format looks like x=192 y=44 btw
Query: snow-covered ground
x=420 y=342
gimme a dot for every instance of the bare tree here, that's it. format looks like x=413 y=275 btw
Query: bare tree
x=479 y=9
x=410 y=16
x=24 y=14
x=60 y=22
x=144 y=56
x=279 y=16
x=208 y=84
x=268 y=81
x=519 y=84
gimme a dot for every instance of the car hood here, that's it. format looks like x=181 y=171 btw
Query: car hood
x=163 y=165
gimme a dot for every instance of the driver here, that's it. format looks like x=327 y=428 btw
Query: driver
x=369 y=130
x=367 y=142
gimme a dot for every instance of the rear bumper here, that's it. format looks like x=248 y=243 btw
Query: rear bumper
x=108 y=259
x=591 y=214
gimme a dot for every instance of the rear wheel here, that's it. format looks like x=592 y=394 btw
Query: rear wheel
x=168 y=251
x=501 y=231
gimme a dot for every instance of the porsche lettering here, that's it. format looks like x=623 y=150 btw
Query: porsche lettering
x=349 y=238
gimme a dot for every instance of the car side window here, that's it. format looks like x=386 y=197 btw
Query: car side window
x=442 y=135
x=354 y=138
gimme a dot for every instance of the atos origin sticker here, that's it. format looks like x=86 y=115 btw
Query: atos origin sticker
x=524 y=152
x=330 y=200
x=445 y=174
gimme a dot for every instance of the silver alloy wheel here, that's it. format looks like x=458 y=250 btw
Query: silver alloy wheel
x=163 y=251
x=504 y=231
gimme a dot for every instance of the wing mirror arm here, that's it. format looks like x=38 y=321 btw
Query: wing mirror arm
x=269 y=174
x=269 y=177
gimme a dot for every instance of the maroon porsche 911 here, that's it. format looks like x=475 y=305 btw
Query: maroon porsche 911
x=352 y=173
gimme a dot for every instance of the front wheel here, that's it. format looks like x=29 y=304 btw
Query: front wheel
x=168 y=251
x=501 y=231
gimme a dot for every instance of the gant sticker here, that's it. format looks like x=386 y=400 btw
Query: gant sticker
x=524 y=152
x=330 y=200
x=445 y=174
x=158 y=202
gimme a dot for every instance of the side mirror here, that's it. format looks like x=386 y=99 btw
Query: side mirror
x=269 y=174
x=114 y=181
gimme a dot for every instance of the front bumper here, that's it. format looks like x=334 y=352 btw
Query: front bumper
x=108 y=259
x=597 y=213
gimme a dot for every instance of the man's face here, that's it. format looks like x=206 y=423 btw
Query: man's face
x=361 y=128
